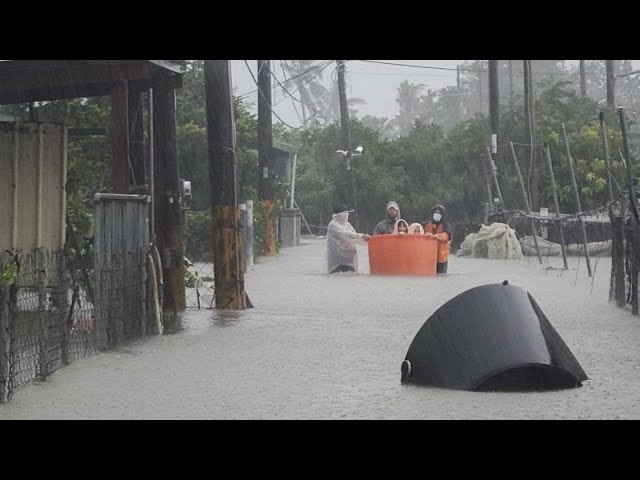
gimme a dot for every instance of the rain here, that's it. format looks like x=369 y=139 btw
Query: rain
x=213 y=239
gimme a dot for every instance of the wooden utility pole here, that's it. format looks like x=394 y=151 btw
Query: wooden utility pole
x=136 y=138
x=225 y=212
x=494 y=108
x=265 y=154
x=583 y=80
x=611 y=84
x=346 y=137
x=120 y=137
x=168 y=208
x=510 y=81
x=494 y=96
x=530 y=127
x=494 y=176
x=480 y=88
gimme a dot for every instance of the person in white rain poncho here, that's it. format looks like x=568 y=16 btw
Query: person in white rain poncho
x=342 y=255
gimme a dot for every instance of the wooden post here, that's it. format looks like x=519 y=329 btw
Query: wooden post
x=530 y=127
x=150 y=169
x=154 y=296
x=120 y=138
x=633 y=200
x=605 y=148
x=526 y=201
x=43 y=312
x=557 y=205
x=492 y=172
x=617 y=287
x=136 y=138
x=574 y=183
x=510 y=81
x=487 y=181
x=611 y=83
x=345 y=124
x=5 y=336
x=265 y=155
x=229 y=277
x=248 y=234
x=583 y=80
x=64 y=309
x=494 y=97
x=168 y=202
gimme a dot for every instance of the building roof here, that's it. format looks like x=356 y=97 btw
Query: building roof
x=24 y=81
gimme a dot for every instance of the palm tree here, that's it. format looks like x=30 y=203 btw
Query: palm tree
x=323 y=101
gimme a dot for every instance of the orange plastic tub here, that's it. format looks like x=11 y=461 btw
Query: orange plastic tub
x=402 y=255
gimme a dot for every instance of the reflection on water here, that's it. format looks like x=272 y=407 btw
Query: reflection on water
x=197 y=322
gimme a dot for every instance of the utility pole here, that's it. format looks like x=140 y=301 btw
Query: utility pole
x=611 y=83
x=494 y=107
x=265 y=154
x=510 y=81
x=168 y=210
x=583 y=79
x=530 y=126
x=346 y=137
x=228 y=248
x=480 y=87
x=632 y=183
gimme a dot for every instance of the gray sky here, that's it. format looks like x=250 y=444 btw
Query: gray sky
x=375 y=83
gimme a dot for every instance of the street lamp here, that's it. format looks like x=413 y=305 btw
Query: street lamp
x=347 y=154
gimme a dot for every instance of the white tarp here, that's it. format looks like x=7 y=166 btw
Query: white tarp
x=550 y=249
x=497 y=240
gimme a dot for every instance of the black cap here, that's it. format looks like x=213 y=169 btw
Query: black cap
x=439 y=207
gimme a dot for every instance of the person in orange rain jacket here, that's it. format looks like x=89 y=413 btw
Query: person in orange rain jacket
x=438 y=228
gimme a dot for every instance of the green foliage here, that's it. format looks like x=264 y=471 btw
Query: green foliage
x=8 y=272
x=192 y=278
x=440 y=156
x=199 y=240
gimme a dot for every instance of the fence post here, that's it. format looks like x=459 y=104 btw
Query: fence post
x=526 y=202
x=5 y=337
x=144 y=293
x=248 y=234
x=576 y=192
x=633 y=200
x=617 y=259
x=557 y=205
x=41 y=280
x=65 y=310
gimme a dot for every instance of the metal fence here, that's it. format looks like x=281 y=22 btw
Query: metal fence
x=199 y=284
x=51 y=314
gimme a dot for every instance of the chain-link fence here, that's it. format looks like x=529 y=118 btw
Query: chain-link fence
x=54 y=311
x=199 y=284
x=625 y=258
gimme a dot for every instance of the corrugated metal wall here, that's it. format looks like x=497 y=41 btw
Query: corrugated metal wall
x=121 y=249
x=33 y=174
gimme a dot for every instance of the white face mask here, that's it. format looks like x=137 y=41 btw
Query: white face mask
x=437 y=217
x=342 y=216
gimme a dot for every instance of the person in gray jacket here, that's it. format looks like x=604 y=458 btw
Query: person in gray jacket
x=386 y=226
